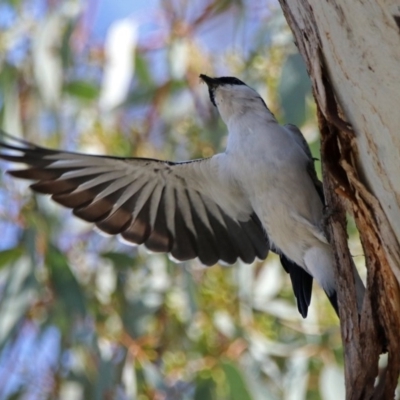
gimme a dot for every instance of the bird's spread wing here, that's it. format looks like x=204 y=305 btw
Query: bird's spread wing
x=179 y=208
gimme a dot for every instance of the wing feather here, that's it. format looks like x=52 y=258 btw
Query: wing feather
x=99 y=208
x=60 y=186
x=227 y=251
x=205 y=241
x=160 y=239
x=185 y=244
x=79 y=198
x=181 y=208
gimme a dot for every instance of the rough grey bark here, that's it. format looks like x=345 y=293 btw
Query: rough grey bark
x=352 y=52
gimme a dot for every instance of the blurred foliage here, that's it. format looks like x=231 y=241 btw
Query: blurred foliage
x=86 y=317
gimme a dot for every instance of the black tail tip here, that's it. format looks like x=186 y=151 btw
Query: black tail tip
x=333 y=300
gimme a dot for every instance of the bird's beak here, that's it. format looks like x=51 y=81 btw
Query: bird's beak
x=211 y=82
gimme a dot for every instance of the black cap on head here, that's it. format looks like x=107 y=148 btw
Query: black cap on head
x=213 y=83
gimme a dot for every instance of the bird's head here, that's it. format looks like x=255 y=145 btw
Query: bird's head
x=232 y=97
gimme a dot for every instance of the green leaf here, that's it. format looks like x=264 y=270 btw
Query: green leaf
x=142 y=71
x=120 y=260
x=140 y=95
x=10 y=255
x=105 y=380
x=237 y=386
x=17 y=296
x=82 y=89
x=294 y=86
x=66 y=52
x=153 y=376
x=133 y=315
x=205 y=389
x=64 y=283
x=146 y=93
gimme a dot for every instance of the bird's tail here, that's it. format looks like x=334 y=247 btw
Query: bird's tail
x=360 y=291
x=332 y=297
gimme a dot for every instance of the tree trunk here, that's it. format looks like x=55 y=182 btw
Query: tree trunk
x=352 y=52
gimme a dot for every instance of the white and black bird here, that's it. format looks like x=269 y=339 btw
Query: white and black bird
x=261 y=193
